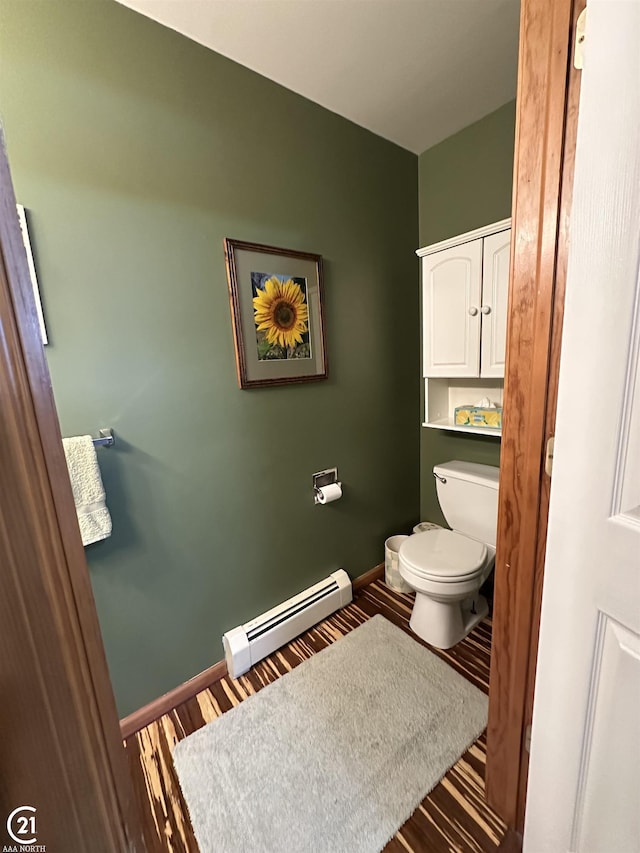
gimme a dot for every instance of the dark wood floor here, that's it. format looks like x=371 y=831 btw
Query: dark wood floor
x=453 y=817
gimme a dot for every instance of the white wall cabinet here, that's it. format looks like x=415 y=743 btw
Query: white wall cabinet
x=493 y=311
x=465 y=284
x=451 y=297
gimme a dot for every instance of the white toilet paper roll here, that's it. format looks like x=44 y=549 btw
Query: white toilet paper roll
x=330 y=493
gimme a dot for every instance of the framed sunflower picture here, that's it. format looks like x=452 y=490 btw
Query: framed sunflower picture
x=276 y=308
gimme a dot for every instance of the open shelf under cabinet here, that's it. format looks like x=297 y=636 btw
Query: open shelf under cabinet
x=441 y=396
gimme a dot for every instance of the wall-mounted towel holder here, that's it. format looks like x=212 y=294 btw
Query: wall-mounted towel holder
x=107 y=438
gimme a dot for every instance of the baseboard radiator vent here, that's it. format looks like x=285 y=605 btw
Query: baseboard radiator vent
x=246 y=645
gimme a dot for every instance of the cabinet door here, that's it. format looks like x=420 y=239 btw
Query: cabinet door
x=495 y=292
x=451 y=287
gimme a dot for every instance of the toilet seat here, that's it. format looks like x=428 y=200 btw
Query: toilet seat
x=443 y=556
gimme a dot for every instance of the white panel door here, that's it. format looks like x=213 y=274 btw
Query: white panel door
x=451 y=287
x=495 y=294
x=584 y=778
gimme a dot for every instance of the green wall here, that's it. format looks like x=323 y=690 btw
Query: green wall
x=136 y=151
x=465 y=183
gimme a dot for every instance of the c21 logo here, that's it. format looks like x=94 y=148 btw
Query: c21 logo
x=19 y=825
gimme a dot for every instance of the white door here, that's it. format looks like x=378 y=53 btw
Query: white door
x=584 y=778
x=495 y=293
x=451 y=288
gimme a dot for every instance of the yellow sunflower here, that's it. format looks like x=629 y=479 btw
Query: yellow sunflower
x=281 y=312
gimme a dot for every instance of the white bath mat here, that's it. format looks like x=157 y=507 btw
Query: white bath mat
x=334 y=756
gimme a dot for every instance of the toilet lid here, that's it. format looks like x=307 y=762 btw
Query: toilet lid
x=443 y=555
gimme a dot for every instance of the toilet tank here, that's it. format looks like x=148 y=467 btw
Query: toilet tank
x=469 y=498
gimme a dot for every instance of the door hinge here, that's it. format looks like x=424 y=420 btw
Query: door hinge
x=527 y=739
x=581 y=34
x=548 y=455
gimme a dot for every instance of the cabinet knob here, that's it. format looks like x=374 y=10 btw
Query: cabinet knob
x=486 y=309
x=473 y=311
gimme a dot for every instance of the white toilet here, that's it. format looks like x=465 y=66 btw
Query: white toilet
x=447 y=567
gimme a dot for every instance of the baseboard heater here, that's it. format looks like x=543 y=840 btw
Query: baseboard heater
x=246 y=645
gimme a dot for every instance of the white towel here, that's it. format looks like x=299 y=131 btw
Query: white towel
x=88 y=491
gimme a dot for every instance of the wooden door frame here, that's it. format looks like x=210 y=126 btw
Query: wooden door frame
x=546 y=126
x=48 y=595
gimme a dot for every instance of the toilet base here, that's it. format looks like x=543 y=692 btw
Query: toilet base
x=444 y=623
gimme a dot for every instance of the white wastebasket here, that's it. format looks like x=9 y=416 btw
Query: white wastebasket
x=423 y=526
x=392 y=576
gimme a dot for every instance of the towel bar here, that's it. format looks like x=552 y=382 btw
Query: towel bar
x=107 y=439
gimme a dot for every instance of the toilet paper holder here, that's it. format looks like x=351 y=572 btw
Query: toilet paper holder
x=324 y=478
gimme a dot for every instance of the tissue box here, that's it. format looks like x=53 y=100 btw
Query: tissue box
x=477 y=416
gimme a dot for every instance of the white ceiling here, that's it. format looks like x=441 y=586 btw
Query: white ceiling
x=412 y=71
